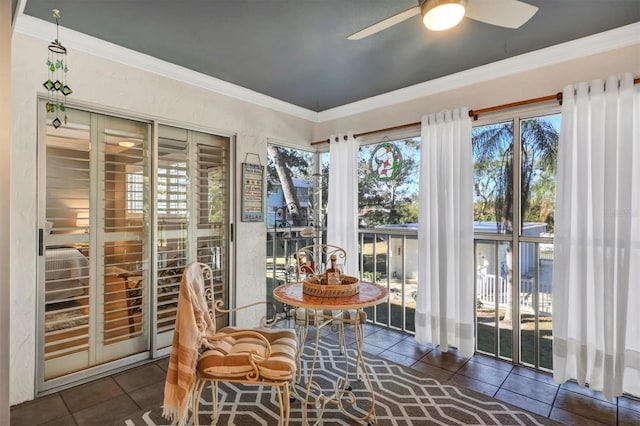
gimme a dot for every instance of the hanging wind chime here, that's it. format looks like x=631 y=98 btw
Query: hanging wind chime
x=56 y=85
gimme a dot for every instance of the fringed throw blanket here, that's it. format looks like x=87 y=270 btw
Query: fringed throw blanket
x=192 y=324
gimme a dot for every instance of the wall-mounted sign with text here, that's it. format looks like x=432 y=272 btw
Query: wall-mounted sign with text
x=252 y=182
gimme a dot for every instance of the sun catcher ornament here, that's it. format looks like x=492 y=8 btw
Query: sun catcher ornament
x=56 y=85
x=386 y=161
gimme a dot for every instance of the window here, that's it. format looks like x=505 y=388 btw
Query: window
x=388 y=183
x=296 y=201
x=172 y=196
x=292 y=186
x=388 y=175
x=514 y=207
x=135 y=194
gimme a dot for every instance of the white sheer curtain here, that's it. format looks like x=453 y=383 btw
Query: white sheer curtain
x=445 y=301
x=342 y=220
x=596 y=280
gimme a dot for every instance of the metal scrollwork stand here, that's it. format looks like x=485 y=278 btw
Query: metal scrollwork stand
x=342 y=395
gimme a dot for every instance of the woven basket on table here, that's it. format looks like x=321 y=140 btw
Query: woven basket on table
x=313 y=287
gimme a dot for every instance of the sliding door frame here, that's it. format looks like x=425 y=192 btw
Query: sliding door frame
x=43 y=386
x=516 y=238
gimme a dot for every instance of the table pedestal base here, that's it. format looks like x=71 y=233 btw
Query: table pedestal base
x=354 y=400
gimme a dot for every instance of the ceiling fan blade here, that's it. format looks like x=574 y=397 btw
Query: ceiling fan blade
x=385 y=23
x=503 y=13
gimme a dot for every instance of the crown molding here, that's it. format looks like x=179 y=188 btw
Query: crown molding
x=44 y=30
x=590 y=45
x=586 y=46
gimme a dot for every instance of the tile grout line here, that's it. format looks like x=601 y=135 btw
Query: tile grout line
x=64 y=401
x=124 y=391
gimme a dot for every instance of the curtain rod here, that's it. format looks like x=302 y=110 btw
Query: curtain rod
x=472 y=113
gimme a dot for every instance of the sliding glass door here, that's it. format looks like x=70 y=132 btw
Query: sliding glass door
x=192 y=178
x=94 y=242
x=514 y=206
x=120 y=216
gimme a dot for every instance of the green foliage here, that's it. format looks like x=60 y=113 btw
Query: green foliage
x=391 y=201
x=405 y=212
x=493 y=152
x=485 y=188
x=368 y=276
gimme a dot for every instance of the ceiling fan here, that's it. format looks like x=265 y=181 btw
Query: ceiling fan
x=439 y=15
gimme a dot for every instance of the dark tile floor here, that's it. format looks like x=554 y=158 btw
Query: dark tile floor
x=111 y=399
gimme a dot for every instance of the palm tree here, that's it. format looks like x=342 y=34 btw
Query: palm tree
x=538 y=154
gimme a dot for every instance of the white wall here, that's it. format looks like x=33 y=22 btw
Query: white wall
x=115 y=86
x=407 y=260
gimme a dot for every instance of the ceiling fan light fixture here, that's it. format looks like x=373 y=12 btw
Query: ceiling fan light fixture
x=440 y=15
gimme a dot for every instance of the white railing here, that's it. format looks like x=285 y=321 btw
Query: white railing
x=487 y=291
x=395 y=267
x=489 y=287
x=527 y=292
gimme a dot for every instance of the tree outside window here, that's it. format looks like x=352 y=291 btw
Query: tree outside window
x=388 y=198
x=291 y=186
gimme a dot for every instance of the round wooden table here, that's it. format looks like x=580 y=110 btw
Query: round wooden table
x=370 y=294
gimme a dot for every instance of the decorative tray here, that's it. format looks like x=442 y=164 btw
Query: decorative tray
x=315 y=286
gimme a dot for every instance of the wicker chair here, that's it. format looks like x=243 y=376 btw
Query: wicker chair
x=263 y=356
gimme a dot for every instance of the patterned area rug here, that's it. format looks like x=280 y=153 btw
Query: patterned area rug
x=403 y=397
